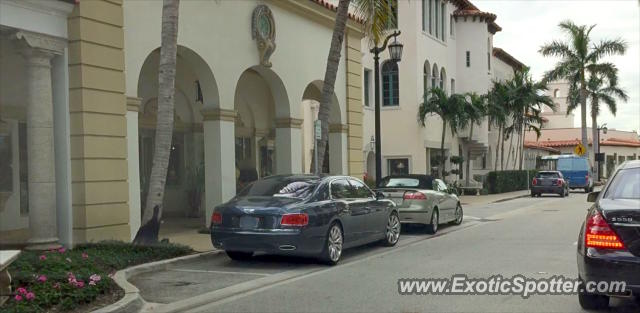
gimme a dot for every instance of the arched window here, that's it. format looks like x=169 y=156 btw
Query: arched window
x=434 y=76
x=390 y=84
x=426 y=71
x=443 y=79
x=556 y=93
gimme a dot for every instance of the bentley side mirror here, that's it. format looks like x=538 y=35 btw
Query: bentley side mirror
x=592 y=196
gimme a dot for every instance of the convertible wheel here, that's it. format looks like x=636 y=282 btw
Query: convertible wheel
x=392 y=233
x=435 y=219
x=459 y=215
x=239 y=255
x=333 y=246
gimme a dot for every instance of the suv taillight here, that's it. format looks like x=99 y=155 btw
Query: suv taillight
x=598 y=234
x=535 y=182
x=296 y=219
x=216 y=218
x=414 y=195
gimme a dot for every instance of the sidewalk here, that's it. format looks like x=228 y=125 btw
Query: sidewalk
x=486 y=199
x=185 y=231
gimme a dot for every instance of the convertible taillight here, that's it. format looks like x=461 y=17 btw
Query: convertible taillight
x=296 y=219
x=414 y=195
x=598 y=234
x=216 y=218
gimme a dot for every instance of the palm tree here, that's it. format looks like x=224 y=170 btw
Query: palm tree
x=448 y=108
x=600 y=89
x=376 y=15
x=472 y=113
x=527 y=100
x=579 y=58
x=164 y=127
x=497 y=111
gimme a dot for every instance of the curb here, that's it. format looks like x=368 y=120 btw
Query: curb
x=510 y=198
x=132 y=301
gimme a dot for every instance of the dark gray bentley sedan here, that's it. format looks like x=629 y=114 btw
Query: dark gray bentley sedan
x=303 y=215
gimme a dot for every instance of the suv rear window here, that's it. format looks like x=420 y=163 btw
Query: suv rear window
x=548 y=175
x=625 y=185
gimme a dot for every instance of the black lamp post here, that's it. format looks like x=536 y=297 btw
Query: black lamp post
x=600 y=157
x=395 y=54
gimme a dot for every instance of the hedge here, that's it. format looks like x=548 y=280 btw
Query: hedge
x=506 y=181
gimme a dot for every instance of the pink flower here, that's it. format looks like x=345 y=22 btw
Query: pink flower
x=42 y=278
x=85 y=255
x=18 y=298
x=22 y=290
x=79 y=284
x=92 y=283
x=56 y=286
x=95 y=277
x=62 y=250
x=43 y=257
x=31 y=296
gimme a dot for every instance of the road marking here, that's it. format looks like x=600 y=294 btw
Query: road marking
x=218 y=272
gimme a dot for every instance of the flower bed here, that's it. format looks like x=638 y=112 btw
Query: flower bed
x=62 y=280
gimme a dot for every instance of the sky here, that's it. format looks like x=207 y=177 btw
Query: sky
x=528 y=24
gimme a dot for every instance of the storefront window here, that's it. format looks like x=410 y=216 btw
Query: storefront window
x=398 y=166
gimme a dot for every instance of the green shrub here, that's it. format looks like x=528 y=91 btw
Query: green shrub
x=506 y=181
x=62 y=279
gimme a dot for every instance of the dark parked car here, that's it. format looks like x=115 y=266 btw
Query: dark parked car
x=421 y=199
x=609 y=241
x=303 y=215
x=549 y=182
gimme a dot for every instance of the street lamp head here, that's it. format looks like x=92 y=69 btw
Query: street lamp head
x=395 y=50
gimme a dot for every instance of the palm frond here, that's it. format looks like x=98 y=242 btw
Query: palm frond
x=376 y=15
x=607 y=47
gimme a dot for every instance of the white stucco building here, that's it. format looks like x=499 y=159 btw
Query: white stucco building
x=78 y=108
x=448 y=44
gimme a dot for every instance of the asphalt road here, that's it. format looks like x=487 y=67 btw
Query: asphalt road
x=534 y=237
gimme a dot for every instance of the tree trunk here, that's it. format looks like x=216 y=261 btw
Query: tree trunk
x=510 y=150
x=152 y=214
x=522 y=149
x=333 y=60
x=583 y=116
x=495 y=167
x=442 y=157
x=595 y=138
x=469 y=156
x=502 y=151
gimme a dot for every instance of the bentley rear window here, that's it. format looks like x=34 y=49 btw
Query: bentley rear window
x=280 y=187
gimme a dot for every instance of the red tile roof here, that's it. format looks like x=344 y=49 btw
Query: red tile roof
x=334 y=8
x=575 y=142
x=509 y=59
x=466 y=8
x=535 y=145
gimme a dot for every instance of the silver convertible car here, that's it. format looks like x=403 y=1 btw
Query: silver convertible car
x=421 y=199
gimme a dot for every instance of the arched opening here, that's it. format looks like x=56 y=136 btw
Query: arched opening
x=556 y=93
x=334 y=155
x=443 y=80
x=195 y=88
x=434 y=76
x=426 y=75
x=260 y=99
x=371 y=165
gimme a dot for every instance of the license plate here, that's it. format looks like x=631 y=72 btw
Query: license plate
x=248 y=222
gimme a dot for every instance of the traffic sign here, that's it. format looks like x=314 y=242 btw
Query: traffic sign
x=580 y=149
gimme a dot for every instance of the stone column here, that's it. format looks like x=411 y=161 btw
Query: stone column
x=38 y=50
x=288 y=146
x=338 y=149
x=219 y=156
x=133 y=164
